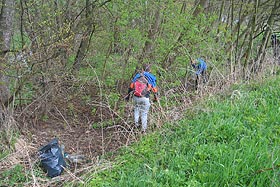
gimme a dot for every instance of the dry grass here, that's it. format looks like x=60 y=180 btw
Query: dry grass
x=23 y=153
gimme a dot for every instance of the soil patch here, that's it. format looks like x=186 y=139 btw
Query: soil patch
x=86 y=141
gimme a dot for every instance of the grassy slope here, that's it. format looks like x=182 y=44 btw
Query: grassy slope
x=233 y=141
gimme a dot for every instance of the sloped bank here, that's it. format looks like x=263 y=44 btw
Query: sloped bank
x=230 y=141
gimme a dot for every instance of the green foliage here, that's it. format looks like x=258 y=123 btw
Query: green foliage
x=13 y=177
x=20 y=176
x=27 y=92
x=104 y=124
x=17 y=41
x=45 y=117
x=232 y=142
x=8 y=137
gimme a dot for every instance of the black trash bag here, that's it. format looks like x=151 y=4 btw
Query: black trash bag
x=52 y=159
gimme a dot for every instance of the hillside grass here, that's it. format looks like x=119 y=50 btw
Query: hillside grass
x=232 y=140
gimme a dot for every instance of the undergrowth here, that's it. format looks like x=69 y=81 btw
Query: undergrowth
x=231 y=141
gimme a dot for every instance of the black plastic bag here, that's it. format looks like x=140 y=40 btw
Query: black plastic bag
x=52 y=159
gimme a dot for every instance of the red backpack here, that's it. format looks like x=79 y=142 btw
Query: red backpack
x=141 y=86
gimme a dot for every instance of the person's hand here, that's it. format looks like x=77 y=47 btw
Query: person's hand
x=192 y=62
x=127 y=98
x=155 y=99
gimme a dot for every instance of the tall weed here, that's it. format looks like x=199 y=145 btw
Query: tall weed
x=231 y=142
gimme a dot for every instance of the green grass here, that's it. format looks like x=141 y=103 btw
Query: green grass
x=234 y=141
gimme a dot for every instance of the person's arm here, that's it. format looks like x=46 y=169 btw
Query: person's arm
x=131 y=87
x=193 y=64
x=198 y=72
x=199 y=68
x=152 y=80
x=155 y=93
x=130 y=90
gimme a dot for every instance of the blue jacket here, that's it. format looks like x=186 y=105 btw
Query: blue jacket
x=152 y=81
x=150 y=77
x=201 y=66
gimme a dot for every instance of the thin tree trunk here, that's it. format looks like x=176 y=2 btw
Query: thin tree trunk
x=81 y=53
x=237 y=49
x=21 y=24
x=84 y=44
x=6 y=20
x=87 y=35
x=267 y=33
x=220 y=17
x=148 y=48
x=252 y=32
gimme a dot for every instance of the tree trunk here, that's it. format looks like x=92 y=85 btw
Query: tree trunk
x=221 y=12
x=250 y=45
x=88 y=33
x=85 y=41
x=6 y=20
x=151 y=37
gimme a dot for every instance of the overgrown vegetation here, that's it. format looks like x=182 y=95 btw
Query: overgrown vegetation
x=233 y=141
x=68 y=64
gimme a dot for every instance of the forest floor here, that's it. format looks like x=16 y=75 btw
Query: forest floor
x=92 y=143
x=77 y=132
x=89 y=142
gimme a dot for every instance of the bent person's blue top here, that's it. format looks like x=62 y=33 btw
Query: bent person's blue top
x=201 y=66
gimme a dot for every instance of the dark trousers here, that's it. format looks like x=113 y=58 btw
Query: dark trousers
x=203 y=75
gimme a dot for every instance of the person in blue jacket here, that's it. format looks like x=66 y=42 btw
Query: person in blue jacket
x=142 y=103
x=200 y=66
